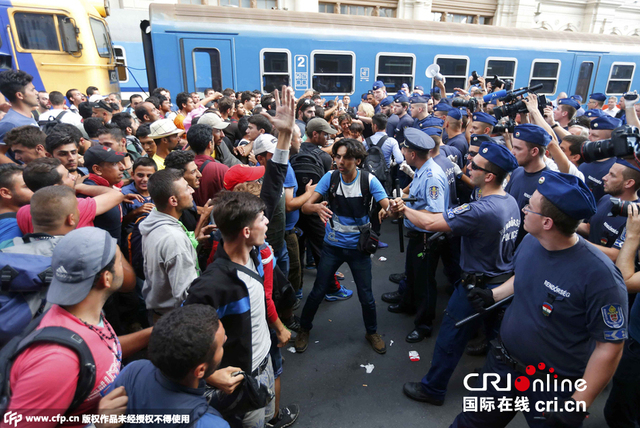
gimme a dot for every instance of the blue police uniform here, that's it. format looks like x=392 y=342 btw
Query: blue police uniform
x=605 y=229
x=430 y=187
x=556 y=315
x=522 y=184
x=392 y=122
x=488 y=229
x=404 y=122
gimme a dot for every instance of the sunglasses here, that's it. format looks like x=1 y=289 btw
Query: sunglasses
x=476 y=167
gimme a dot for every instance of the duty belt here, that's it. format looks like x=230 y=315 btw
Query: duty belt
x=473 y=279
x=418 y=235
x=502 y=355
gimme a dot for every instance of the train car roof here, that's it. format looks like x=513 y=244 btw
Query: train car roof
x=336 y=27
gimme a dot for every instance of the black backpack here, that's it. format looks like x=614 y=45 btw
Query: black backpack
x=59 y=335
x=376 y=164
x=134 y=248
x=334 y=183
x=47 y=125
x=307 y=166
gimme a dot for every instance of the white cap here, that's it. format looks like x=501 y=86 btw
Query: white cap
x=96 y=97
x=265 y=143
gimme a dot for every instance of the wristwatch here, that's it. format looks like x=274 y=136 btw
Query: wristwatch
x=554 y=125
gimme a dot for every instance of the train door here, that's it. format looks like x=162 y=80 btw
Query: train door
x=585 y=70
x=207 y=63
x=6 y=53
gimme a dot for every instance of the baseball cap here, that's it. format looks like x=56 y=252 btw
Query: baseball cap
x=241 y=174
x=96 y=97
x=97 y=154
x=213 y=120
x=102 y=104
x=163 y=128
x=265 y=143
x=76 y=261
x=319 y=125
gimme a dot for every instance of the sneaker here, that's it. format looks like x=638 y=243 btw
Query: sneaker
x=292 y=323
x=376 y=342
x=302 y=340
x=299 y=294
x=297 y=304
x=382 y=245
x=339 y=276
x=286 y=417
x=342 y=294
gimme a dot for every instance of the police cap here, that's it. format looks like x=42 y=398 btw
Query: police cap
x=414 y=139
x=569 y=102
x=531 y=133
x=568 y=193
x=598 y=96
x=498 y=155
x=485 y=118
x=605 y=122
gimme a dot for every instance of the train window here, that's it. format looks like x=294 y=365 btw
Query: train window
x=101 y=37
x=275 y=69
x=207 y=72
x=37 y=31
x=121 y=63
x=394 y=70
x=545 y=72
x=584 y=79
x=504 y=68
x=333 y=72
x=455 y=69
x=620 y=77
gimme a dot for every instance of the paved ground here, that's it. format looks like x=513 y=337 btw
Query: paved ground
x=334 y=391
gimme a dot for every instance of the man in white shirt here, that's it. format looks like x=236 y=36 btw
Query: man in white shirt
x=57 y=108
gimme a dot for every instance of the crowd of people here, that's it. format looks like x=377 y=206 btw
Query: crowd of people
x=171 y=237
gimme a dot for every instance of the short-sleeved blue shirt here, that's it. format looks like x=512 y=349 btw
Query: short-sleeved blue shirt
x=488 y=227
x=128 y=189
x=605 y=230
x=588 y=301
x=290 y=181
x=452 y=151
x=8 y=229
x=345 y=232
x=460 y=143
x=391 y=124
x=593 y=174
x=430 y=187
x=11 y=120
x=448 y=168
x=405 y=122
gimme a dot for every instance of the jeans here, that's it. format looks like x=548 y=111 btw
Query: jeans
x=623 y=405
x=282 y=259
x=451 y=341
x=360 y=265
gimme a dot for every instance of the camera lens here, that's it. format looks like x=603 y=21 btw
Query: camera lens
x=596 y=150
x=619 y=207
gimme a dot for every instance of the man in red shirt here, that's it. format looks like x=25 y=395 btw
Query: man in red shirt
x=87 y=269
x=50 y=172
x=200 y=138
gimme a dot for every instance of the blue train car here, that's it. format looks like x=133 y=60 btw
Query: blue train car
x=196 y=47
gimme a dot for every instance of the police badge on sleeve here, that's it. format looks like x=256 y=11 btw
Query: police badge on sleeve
x=434 y=192
x=452 y=212
x=613 y=316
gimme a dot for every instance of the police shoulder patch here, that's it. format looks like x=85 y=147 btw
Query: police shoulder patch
x=429 y=173
x=612 y=315
x=434 y=192
x=616 y=334
x=452 y=212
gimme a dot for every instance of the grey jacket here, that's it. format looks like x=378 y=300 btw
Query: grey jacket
x=169 y=262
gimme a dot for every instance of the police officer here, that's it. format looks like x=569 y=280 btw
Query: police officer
x=596 y=100
x=379 y=94
x=567 y=298
x=400 y=109
x=385 y=106
x=430 y=188
x=482 y=123
x=453 y=126
x=422 y=119
x=599 y=129
x=529 y=146
x=622 y=182
x=594 y=113
x=488 y=228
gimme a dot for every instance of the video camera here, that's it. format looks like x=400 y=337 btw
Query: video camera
x=507 y=126
x=471 y=104
x=624 y=143
x=513 y=103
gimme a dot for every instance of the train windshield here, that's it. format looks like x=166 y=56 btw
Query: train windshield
x=101 y=36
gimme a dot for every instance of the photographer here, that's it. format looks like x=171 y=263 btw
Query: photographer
x=600 y=129
x=622 y=407
x=602 y=229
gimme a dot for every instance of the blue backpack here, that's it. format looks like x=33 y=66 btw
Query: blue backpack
x=22 y=278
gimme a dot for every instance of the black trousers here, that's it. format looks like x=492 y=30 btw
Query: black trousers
x=421 y=289
x=623 y=405
x=313 y=233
